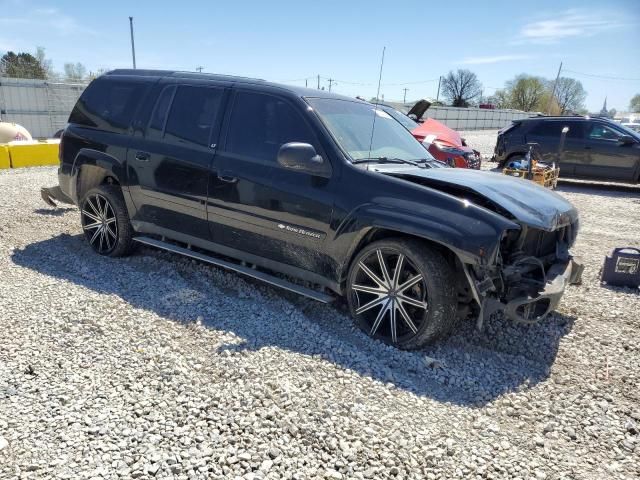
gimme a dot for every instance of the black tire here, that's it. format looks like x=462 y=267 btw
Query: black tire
x=436 y=289
x=105 y=221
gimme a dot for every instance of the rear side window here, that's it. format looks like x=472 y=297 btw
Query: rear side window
x=108 y=103
x=554 y=129
x=260 y=124
x=194 y=112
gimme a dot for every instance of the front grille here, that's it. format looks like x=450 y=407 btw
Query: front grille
x=539 y=243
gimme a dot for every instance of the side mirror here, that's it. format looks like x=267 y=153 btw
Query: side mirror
x=303 y=158
x=626 y=140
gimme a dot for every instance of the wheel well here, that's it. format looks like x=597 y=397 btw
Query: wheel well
x=376 y=234
x=91 y=176
x=511 y=155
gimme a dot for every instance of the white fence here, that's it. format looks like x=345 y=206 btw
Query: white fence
x=475 y=118
x=42 y=107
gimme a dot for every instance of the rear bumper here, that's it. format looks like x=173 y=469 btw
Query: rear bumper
x=534 y=309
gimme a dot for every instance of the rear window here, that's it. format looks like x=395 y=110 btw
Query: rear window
x=108 y=103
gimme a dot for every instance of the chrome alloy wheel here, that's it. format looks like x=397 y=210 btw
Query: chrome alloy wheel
x=99 y=223
x=390 y=296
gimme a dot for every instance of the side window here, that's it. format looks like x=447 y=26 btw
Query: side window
x=108 y=103
x=193 y=113
x=554 y=129
x=598 y=131
x=159 y=115
x=260 y=124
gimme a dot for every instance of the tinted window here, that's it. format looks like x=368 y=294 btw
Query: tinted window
x=193 y=112
x=108 y=102
x=554 y=129
x=261 y=124
x=598 y=131
x=159 y=115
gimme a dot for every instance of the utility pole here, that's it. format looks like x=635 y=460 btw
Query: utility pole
x=404 y=100
x=133 y=45
x=199 y=69
x=438 y=94
x=553 y=92
x=306 y=85
x=331 y=82
x=318 y=82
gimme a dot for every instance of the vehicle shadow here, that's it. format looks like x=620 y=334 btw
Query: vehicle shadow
x=469 y=368
x=53 y=212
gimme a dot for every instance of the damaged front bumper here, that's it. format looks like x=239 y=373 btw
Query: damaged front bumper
x=533 y=307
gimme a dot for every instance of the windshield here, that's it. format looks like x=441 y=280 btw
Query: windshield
x=400 y=117
x=351 y=123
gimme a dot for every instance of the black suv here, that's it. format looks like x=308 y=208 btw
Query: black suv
x=313 y=192
x=594 y=148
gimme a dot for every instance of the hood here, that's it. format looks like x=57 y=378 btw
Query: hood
x=526 y=201
x=441 y=132
x=419 y=108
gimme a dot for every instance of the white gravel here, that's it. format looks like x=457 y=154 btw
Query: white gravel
x=157 y=366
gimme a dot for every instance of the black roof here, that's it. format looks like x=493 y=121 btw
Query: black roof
x=560 y=117
x=299 y=91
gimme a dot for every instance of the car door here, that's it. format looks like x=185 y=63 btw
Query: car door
x=170 y=164
x=255 y=205
x=547 y=134
x=607 y=157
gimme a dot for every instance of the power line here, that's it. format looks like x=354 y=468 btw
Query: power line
x=604 y=77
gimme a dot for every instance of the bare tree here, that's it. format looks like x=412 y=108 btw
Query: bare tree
x=461 y=87
x=74 y=71
x=526 y=92
x=570 y=95
x=45 y=63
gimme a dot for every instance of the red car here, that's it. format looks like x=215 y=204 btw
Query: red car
x=442 y=142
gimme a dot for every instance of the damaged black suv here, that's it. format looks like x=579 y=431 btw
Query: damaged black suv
x=313 y=192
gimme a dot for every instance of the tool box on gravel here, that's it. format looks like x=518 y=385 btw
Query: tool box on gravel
x=622 y=268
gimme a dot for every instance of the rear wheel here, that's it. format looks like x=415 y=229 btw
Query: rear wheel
x=105 y=221
x=402 y=292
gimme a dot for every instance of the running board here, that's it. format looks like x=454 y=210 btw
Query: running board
x=250 y=272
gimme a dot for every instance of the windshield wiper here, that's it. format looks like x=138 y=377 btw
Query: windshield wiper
x=386 y=160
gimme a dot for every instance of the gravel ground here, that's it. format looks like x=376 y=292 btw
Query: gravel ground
x=157 y=366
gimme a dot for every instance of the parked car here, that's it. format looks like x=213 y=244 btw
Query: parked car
x=595 y=148
x=444 y=143
x=261 y=178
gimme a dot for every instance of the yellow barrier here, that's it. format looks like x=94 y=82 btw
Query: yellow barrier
x=5 y=159
x=33 y=154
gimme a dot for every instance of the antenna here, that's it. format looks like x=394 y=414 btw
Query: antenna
x=373 y=127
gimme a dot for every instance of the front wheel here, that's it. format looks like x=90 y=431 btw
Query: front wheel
x=402 y=292
x=105 y=221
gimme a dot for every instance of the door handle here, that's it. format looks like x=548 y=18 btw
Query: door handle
x=142 y=156
x=227 y=178
x=587 y=147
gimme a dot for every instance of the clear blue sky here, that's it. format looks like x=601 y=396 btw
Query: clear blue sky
x=293 y=39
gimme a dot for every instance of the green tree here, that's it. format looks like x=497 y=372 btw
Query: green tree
x=634 y=104
x=461 y=87
x=500 y=99
x=21 y=65
x=527 y=93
